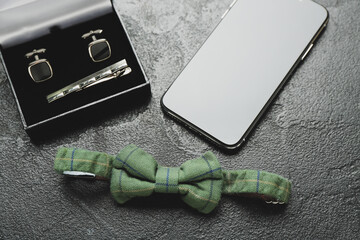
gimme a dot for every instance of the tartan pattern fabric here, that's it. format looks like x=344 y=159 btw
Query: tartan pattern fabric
x=267 y=185
x=72 y=159
x=200 y=182
x=167 y=180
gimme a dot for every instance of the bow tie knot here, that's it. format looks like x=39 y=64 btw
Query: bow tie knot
x=167 y=180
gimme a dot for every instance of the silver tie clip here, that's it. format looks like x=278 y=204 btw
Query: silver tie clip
x=118 y=69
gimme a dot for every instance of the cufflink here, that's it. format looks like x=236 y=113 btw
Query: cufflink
x=39 y=70
x=99 y=49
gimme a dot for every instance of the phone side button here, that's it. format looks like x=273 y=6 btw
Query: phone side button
x=307 y=51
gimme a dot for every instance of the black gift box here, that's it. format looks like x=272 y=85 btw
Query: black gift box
x=58 y=26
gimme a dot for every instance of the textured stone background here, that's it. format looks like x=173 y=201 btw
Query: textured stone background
x=311 y=134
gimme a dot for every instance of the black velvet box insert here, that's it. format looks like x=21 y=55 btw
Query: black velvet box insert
x=59 y=30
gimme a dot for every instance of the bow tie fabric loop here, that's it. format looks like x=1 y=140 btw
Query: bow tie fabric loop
x=200 y=182
x=131 y=160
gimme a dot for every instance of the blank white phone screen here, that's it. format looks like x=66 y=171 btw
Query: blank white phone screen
x=239 y=67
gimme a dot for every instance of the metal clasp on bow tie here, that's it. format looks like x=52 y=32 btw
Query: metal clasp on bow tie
x=77 y=174
x=118 y=69
x=275 y=202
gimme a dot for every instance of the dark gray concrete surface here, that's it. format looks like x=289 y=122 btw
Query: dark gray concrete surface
x=311 y=135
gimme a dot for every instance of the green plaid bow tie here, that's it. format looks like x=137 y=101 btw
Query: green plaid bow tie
x=200 y=182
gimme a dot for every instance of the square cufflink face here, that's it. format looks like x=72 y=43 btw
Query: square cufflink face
x=99 y=50
x=40 y=70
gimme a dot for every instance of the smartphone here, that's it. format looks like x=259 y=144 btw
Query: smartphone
x=231 y=81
